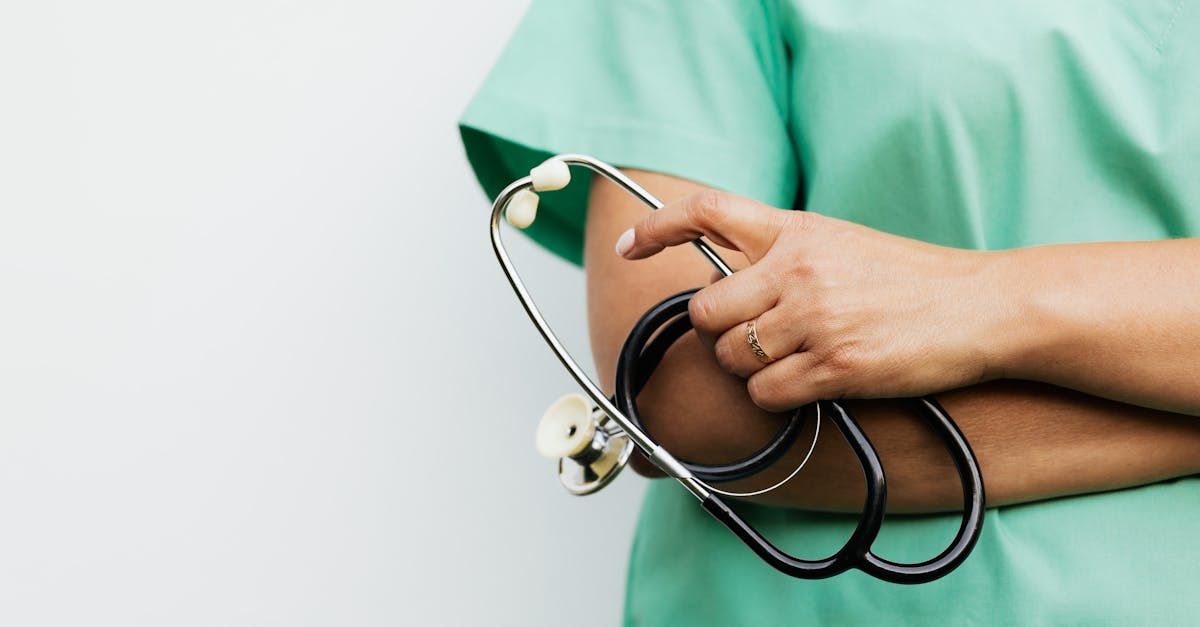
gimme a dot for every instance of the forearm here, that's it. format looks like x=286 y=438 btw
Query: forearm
x=1117 y=319
x=1033 y=441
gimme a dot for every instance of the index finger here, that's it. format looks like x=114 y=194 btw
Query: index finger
x=730 y=221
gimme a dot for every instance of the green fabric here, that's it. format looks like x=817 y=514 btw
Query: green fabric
x=654 y=85
x=972 y=124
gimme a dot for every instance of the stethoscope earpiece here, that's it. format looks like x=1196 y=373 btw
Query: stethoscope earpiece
x=522 y=209
x=552 y=174
x=590 y=449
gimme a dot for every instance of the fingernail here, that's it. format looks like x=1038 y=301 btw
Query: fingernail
x=625 y=242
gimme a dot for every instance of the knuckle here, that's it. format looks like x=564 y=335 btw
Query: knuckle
x=764 y=392
x=702 y=311
x=725 y=355
x=649 y=229
x=825 y=313
x=797 y=264
x=824 y=383
x=844 y=361
x=708 y=206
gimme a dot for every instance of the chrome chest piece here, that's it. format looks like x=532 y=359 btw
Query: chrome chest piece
x=590 y=448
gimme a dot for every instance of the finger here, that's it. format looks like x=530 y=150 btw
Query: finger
x=727 y=220
x=706 y=338
x=744 y=295
x=791 y=382
x=778 y=335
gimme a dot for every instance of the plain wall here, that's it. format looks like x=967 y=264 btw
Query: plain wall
x=257 y=363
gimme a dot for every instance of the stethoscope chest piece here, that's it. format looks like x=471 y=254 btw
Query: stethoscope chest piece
x=590 y=448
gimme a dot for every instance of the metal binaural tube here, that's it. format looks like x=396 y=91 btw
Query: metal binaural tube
x=636 y=435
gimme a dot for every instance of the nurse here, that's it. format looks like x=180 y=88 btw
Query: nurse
x=952 y=161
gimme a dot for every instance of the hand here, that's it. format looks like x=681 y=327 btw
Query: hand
x=841 y=310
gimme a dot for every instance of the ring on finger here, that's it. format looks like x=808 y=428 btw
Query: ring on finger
x=755 y=346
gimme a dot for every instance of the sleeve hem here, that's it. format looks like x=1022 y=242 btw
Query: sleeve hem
x=714 y=162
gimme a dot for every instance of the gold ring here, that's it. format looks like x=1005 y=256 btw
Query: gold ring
x=752 y=340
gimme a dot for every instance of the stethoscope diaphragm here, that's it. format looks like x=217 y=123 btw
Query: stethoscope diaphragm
x=590 y=448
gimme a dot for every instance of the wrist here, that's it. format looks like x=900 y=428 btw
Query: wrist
x=1028 y=312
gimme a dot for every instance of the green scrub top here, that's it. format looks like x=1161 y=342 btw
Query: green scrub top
x=973 y=124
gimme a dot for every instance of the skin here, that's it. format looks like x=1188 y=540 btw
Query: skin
x=855 y=313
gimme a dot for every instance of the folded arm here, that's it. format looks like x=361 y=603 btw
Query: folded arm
x=1035 y=441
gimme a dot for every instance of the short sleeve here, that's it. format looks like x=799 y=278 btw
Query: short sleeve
x=691 y=88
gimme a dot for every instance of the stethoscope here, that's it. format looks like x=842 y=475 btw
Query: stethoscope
x=593 y=437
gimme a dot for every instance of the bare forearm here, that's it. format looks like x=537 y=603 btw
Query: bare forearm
x=1035 y=441
x=1117 y=319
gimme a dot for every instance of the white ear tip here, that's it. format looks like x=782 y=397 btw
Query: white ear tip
x=522 y=209
x=566 y=428
x=552 y=174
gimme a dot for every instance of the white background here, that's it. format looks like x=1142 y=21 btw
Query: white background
x=257 y=364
